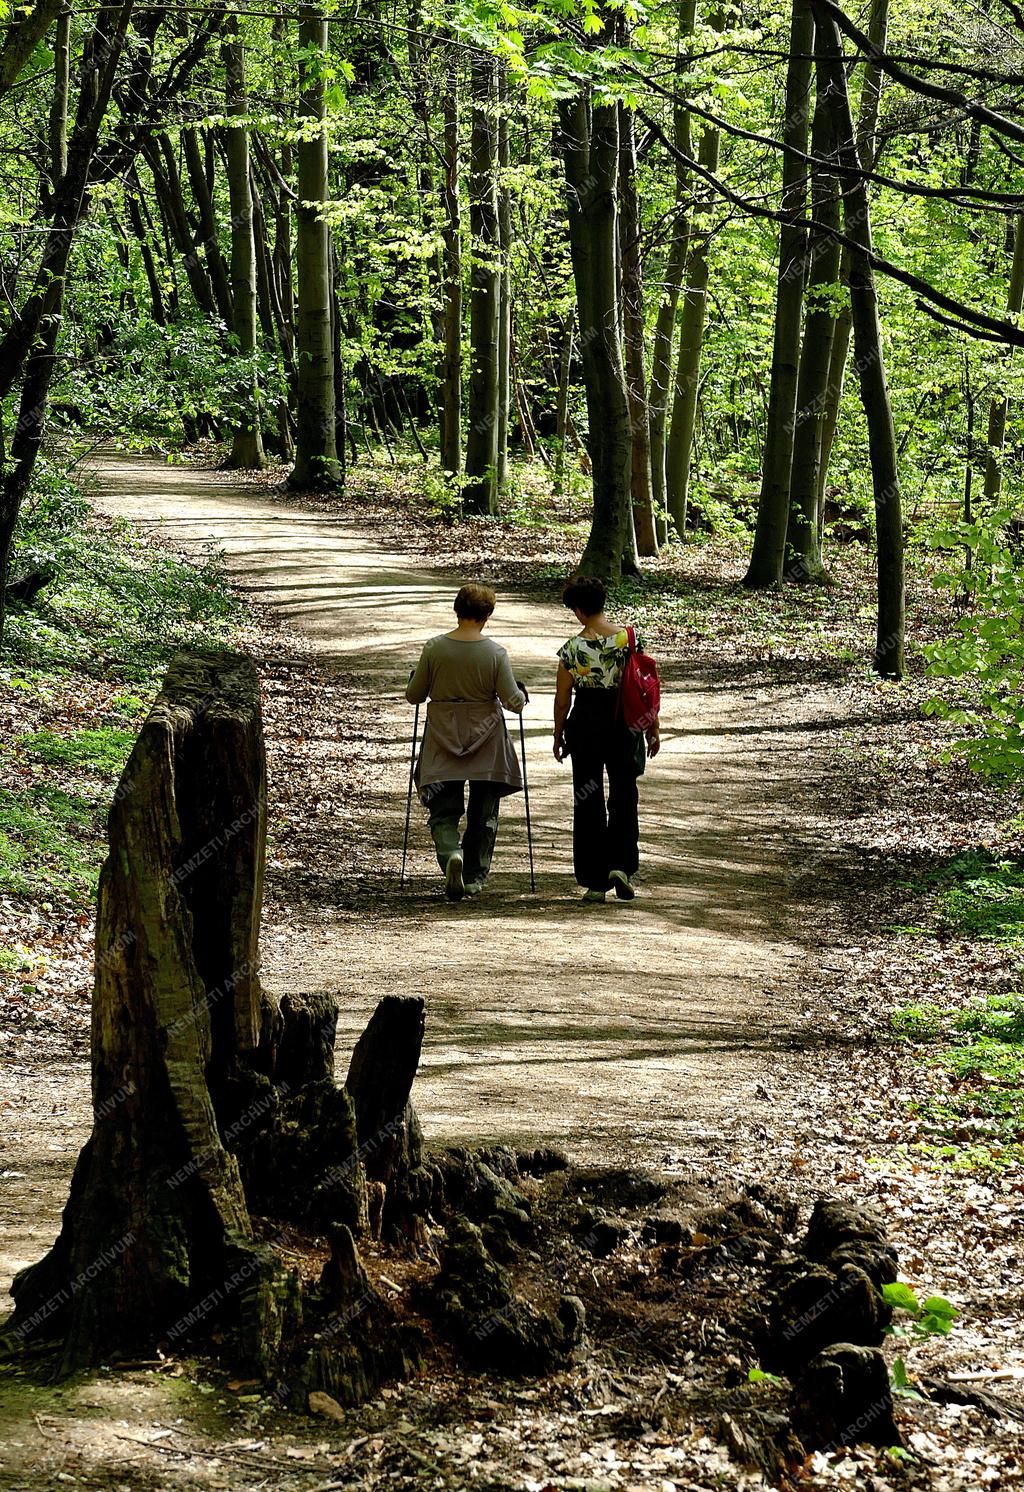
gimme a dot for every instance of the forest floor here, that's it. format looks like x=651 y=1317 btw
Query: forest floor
x=738 y=1024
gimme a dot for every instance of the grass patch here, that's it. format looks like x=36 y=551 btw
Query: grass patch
x=118 y=608
x=49 y=843
x=978 y=1123
x=119 y=605
x=987 y=901
x=16 y=960
x=102 y=751
x=918 y=1022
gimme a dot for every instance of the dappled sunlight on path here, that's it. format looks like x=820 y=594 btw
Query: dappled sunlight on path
x=624 y=1031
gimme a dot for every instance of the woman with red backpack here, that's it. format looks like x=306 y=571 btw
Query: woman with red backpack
x=613 y=689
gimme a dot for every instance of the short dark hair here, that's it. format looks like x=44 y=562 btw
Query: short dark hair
x=475 y=603
x=585 y=593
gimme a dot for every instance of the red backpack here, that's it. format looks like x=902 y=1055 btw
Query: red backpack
x=640 y=689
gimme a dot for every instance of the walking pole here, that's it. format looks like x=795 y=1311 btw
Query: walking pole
x=526 y=799
x=408 y=804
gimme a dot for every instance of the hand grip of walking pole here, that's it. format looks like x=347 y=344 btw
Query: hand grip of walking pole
x=408 y=803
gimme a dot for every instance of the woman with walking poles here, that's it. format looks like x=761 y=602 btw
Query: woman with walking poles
x=467 y=678
x=609 y=730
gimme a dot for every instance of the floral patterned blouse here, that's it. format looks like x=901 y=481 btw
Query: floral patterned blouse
x=597 y=663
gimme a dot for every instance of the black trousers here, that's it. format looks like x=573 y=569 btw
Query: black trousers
x=605 y=832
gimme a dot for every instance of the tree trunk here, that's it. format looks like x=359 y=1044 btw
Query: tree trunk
x=380 y=1076
x=316 y=455
x=769 y=548
x=157 y=308
x=481 y=490
x=202 y=196
x=803 y=537
x=167 y=190
x=29 y=344
x=247 y=439
x=23 y=33
x=996 y=436
x=565 y=350
x=889 y=642
x=210 y=1100
x=451 y=234
x=590 y=149
x=338 y=355
x=59 y=102
x=679 y=451
x=671 y=285
x=504 y=285
x=632 y=293
x=867 y=124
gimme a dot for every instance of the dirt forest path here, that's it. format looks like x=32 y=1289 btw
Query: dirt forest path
x=627 y=1033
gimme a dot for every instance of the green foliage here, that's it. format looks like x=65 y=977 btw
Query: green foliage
x=443 y=493
x=987 y=648
x=899 y=1381
x=976 y=1120
x=918 y=1022
x=928 y=1318
x=987 y=901
x=118 y=607
x=103 y=751
x=48 y=843
x=120 y=604
x=16 y=960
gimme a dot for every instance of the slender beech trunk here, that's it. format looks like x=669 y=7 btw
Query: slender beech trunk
x=264 y=270
x=451 y=279
x=167 y=190
x=316 y=455
x=481 y=490
x=247 y=440
x=29 y=345
x=867 y=125
x=671 y=284
x=59 y=102
x=769 y=548
x=338 y=359
x=870 y=361
x=679 y=450
x=138 y=227
x=202 y=196
x=565 y=352
x=803 y=537
x=632 y=294
x=504 y=285
x=280 y=175
x=996 y=437
x=277 y=337
x=590 y=149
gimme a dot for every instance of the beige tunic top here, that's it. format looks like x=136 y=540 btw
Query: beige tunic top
x=465 y=739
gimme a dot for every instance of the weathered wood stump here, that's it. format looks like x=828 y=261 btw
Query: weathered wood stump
x=210 y=1099
x=380 y=1077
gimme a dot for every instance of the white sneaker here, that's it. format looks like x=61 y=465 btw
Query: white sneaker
x=454 y=885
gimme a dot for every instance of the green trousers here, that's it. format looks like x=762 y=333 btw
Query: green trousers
x=446 y=803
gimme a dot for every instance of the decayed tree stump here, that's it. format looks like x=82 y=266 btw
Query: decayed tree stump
x=209 y=1099
x=380 y=1078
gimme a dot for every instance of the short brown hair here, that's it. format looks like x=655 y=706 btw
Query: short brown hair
x=585 y=593
x=475 y=603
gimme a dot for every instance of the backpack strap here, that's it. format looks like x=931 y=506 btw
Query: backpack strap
x=631 y=647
